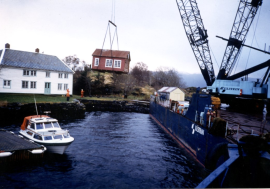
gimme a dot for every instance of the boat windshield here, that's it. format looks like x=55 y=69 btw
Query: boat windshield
x=56 y=124
x=57 y=137
x=48 y=125
x=38 y=137
x=47 y=137
x=39 y=126
x=66 y=135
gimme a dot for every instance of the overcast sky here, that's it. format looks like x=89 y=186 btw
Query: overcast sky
x=151 y=30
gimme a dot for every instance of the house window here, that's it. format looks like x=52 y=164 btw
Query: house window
x=33 y=73
x=7 y=84
x=33 y=85
x=25 y=72
x=65 y=86
x=117 y=63
x=25 y=84
x=96 y=61
x=29 y=72
x=48 y=74
x=60 y=75
x=108 y=63
x=66 y=75
x=59 y=86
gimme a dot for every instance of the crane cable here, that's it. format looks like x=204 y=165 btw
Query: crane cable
x=253 y=37
x=213 y=55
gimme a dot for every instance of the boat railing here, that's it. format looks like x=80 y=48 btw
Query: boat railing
x=54 y=132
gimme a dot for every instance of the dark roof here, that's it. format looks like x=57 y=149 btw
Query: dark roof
x=32 y=60
x=111 y=53
x=10 y=142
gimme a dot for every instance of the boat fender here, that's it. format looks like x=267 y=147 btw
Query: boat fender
x=218 y=155
x=5 y=154
x=37 y=151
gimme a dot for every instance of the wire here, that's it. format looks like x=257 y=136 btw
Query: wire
x=253 y=37
x=213 y=55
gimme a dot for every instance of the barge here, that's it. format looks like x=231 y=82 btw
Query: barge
x=234 y=159
x=206 y=142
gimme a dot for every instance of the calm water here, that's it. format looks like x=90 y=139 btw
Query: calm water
x=111 y=150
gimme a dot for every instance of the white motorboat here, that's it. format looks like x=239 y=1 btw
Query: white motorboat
x=46 y=131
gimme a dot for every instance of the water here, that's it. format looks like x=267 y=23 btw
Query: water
x=111 y=150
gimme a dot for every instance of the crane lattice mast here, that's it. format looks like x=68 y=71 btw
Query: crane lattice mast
x=246 y=12
x=197 y=36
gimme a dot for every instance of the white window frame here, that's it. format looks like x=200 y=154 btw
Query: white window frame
x=27 y=84
x=96 y=62
x=7 y=84
x=33 y=73
x=115 y=62
x=30 y=73
x=48 y=74
x=109 y=62
x=59 y=86
x=60 y=75
x=65 y=86
x=26 y=73
x=66 y=75
x=35 y=84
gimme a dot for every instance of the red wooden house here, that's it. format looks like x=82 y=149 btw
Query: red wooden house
x=111 y=60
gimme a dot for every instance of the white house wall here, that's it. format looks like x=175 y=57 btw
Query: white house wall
x=16 y=77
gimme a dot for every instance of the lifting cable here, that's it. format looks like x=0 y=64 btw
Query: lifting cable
x=111 y=22
x=253 y=36
x=213 y=55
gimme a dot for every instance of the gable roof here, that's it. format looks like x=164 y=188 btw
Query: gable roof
x=168 y=89
x=111 y=53
x=33 y=60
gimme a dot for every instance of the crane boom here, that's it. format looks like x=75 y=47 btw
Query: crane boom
x=197 y=36
x=246 y=12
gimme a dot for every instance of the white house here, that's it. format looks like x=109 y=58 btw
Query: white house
x=33 y=72
x=173 y=93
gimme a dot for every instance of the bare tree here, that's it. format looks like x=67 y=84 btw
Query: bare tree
x=129 y=83
x=167 y=77
x=74 y=63
x=141 y=73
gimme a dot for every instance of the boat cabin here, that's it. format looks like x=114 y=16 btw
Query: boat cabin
x=111 y=60
x=42 y=127
x=172 y=93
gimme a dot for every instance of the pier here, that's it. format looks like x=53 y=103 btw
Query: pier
x=14 y=147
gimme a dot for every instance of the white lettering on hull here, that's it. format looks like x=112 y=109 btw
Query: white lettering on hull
x=197 y=129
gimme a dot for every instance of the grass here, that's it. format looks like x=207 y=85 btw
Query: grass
x=40 y=98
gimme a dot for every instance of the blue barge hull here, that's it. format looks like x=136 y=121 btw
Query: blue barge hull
x=192 y=135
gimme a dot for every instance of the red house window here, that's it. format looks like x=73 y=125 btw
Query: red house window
x=108 y=63
x=117 y=63
x=96 y=61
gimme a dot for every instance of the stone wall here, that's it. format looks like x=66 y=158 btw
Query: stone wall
x=15 y=112
x=116 y=106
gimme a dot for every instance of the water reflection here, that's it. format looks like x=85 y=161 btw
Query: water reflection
x=111 y=150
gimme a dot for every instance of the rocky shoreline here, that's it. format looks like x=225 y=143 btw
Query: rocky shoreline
x=13 y=113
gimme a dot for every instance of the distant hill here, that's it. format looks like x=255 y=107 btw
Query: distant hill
x=193 y=80
x=197 y=80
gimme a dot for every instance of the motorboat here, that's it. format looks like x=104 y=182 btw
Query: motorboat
x=46 y=131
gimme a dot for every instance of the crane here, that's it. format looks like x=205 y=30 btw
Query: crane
x=244 y=17
x=197 y=36
x=225 y=86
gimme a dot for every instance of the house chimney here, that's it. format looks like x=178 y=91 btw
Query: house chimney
x=7 y=46
x=37 y=50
